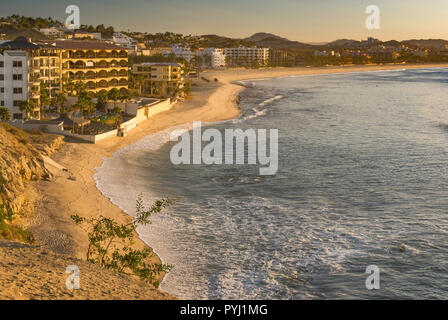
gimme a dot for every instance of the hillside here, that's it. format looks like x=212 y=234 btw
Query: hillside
x=263 y=39
x=342 y=43
x=213 y=40
x=12 y=33
x=21 y=161
x=434 y=43
x=27 y=270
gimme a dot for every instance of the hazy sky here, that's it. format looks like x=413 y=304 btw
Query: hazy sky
x=301 y=20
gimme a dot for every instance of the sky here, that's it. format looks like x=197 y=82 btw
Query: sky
x=311 y=21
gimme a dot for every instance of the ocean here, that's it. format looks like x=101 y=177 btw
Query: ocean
x=362 y=180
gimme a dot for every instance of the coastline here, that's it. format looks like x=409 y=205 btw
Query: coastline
x=211 y=102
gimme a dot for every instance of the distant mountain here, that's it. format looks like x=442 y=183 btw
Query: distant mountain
x=435 y=43
x=260 y=36
x=215 y=41
x=342 y=43
x=263 y=39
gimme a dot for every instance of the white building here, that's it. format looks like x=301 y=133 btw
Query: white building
x=213 y=58
x=124 y=41
x=52 y=32
x=13 y=81
x=244 y=56
x=182 y=52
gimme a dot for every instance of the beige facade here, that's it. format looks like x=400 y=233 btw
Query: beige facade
x=158 y=79
x=101 y=66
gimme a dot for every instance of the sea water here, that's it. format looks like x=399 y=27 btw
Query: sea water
x=362 y=180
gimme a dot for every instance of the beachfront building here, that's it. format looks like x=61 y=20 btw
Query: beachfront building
x=100 y=65
x=158 y=79
x=247 y=57
x=212 y=58
x=23 y=67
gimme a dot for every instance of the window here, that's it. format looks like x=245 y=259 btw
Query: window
x=17 y=116
x=17 y=77
x=2 y=103
x=17 y=90
x=17 y=103
x=17 y=64
x=2 y=77
x=2 y=64
x=2 y=90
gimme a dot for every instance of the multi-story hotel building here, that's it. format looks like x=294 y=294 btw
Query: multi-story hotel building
x=158 y=78
x=20 y=74
x=213 y=57
x=25 y=65
x=249 y=57
x=100 y=65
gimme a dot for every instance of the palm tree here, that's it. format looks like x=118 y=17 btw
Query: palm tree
x=84 y=102
x=114 y=95
x=69 y=85
x=5 y=115
x=60 y=100
x=73 y=109
x=102 y=99
x=90 y=108
x=139 y=79
x=28 y=106
x=117 y=112
x=44 y=98
x=124 y=97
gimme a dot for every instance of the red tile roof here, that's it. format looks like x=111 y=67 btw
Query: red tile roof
x=83 y=45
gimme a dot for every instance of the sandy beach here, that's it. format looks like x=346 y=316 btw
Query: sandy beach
x=76 y=193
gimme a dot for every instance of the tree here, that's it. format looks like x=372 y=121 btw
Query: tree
x=117 y=112
x=59 y=101
x=44 y=98
x=5 y=115
x=125 y=96
x=102 y=99
x=69 y=85
x=114 y=95
x=28 y=106
x=110 y=243
x=139 y=81
x=84 y=102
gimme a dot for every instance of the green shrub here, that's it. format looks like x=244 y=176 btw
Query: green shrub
x=110 y=243
x=12 y=232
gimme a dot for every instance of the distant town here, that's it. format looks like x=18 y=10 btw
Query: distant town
x=94 y=79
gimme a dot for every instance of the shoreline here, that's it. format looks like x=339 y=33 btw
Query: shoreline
x=210 y=102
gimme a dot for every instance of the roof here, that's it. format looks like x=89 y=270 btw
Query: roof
x=48 y=122
x=83 y=45
x=20 y=43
